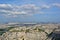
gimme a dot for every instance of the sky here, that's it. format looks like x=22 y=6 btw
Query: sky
x=29 y=11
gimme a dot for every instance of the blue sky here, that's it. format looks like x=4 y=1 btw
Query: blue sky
x=29 y=11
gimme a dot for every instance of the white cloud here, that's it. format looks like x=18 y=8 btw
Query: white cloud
x=46 y=6
x=27 y=9
x=56 y=4
x=5 y=5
